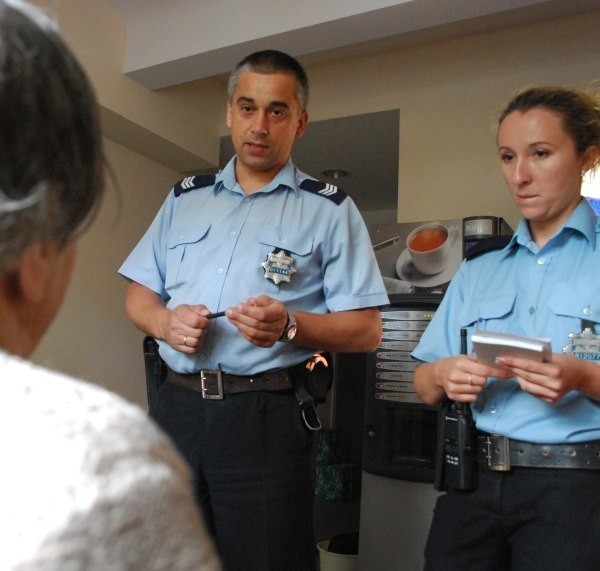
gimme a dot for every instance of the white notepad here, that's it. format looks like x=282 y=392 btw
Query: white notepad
x=488 y=345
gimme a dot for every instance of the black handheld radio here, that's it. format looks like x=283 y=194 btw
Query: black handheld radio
x=456 y=453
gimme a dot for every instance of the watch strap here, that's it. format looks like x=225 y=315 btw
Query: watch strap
x=290 y=328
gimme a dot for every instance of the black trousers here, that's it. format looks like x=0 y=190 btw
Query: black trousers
x=528 y=519
x=253 y=462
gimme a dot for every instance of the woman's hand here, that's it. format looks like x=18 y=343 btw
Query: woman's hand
x=460 y=378
x=551 y=381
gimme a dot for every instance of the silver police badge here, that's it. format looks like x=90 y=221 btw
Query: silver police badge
x=279 y=266
x=584 y=345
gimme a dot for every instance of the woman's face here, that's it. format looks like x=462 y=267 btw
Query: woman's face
x=541 y=168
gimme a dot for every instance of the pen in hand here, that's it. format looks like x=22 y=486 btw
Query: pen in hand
x=215 y=315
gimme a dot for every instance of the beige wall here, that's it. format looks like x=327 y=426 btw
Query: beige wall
x=169 y=120
x=448 y=94
x=91 y=337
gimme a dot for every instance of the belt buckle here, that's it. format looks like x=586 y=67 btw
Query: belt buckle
x=206 y=376
x=498 y=453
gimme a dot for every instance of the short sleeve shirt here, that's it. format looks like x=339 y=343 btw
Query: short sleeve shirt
x=207 y=246
x=548 y=292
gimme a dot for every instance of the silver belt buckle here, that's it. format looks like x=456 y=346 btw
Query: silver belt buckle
x=497 y=453
x=204 y=376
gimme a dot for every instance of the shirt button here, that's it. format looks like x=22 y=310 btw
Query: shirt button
x=541 y=261
x=232 y=233
x=493 y=409
x=531 y=310
x=587 y=310
x=220 y=270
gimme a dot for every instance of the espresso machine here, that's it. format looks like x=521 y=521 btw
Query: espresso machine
x=399 y=431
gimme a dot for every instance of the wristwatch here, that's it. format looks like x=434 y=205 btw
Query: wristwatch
x=289 y=331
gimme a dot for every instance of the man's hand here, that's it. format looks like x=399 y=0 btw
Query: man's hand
x=259 y=320
x=185 y=327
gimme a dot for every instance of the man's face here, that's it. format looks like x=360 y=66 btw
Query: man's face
x=265 y=118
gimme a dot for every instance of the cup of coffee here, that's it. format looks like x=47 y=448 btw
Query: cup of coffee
x=429 y=246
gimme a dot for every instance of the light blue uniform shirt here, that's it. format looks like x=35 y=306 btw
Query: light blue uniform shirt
x=206 y=246
x=529 y=291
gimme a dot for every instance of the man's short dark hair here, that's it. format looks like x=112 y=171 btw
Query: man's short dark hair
x=272 y=61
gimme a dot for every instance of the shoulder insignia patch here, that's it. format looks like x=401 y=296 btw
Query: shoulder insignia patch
x=330 y=191
x=487 y=245
x=193 y=183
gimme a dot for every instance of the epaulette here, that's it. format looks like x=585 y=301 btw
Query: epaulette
x=487 y=245
x=194 y=182
x=327 y=190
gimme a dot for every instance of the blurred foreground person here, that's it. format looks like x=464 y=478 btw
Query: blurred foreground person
x=87 y=482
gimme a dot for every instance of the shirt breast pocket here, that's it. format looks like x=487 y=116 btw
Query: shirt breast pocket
x=271 y=240
x=575 y=304
x=482 y=309
x=184 y=250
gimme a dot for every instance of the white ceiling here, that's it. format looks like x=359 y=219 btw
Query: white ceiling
x=177 y=41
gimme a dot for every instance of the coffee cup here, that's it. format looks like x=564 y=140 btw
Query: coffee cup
x=429 y=246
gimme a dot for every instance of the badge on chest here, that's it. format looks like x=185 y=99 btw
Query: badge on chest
x=584 y=345
x=279 y=266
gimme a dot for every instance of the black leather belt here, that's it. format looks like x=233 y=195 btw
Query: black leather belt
x=501 y=453
x=214 y=384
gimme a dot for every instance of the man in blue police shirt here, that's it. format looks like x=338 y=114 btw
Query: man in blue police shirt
x=289 y=262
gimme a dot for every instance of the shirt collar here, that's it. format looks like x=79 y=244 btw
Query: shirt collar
x=583 y=220
x=285 y=178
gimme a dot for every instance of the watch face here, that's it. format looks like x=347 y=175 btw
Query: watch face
x=291 y=332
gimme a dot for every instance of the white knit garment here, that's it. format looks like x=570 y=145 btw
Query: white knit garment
x=88 y=483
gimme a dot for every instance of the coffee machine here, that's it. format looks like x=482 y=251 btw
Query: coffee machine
x=399 y=431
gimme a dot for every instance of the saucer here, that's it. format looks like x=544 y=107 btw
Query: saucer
x=407 y=271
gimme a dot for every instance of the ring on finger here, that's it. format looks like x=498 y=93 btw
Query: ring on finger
x=470 y=379
x=185 y=340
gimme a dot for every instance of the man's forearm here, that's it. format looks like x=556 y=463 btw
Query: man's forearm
x=145 y=309
x=341 y=332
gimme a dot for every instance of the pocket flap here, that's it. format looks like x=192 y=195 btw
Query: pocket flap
x=278 y=237
x=190 y=235
x=485 y=307
x=575 y=301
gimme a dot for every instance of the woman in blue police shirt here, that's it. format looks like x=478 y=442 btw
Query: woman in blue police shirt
x=544 y=511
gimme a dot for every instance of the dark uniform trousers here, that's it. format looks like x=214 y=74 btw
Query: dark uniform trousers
x=253 y=463
x=527 y=519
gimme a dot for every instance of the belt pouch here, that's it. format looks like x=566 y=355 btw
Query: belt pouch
x=315 y=374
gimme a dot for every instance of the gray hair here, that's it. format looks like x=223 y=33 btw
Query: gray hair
x=51 y=158
x=272 y=61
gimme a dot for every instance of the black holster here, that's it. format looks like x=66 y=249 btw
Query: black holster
x=312 y=380
x=156 y=369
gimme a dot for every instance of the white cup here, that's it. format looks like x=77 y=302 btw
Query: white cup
x=429 y=246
